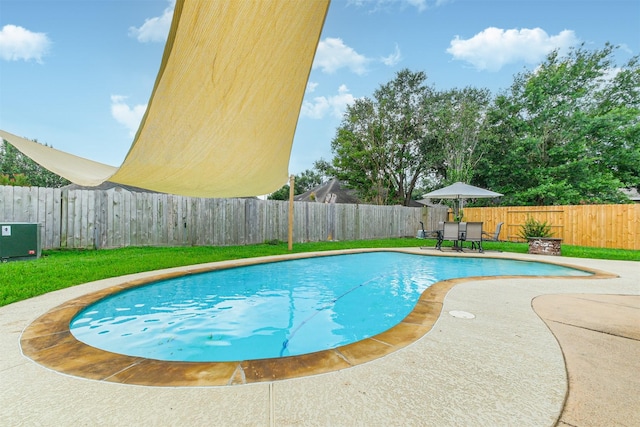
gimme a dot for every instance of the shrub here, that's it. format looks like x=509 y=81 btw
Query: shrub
x=535 y=228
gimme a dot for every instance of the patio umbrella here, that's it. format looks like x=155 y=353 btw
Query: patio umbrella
x=460 y=191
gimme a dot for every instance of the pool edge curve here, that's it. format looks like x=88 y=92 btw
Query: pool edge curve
x=49 y=342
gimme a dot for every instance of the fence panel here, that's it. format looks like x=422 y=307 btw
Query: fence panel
x=605 y=226
x=117 y=218
x=517 y=217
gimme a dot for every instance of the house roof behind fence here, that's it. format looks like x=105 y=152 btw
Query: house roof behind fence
x=330 y=192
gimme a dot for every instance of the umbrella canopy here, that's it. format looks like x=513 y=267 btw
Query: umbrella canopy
x=461 y=191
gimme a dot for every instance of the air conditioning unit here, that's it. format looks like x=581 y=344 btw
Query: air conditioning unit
x=19 y=241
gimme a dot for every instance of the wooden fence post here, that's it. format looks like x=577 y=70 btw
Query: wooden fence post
x=292 y=179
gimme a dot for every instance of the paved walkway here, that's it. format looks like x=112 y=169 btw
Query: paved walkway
x=504 y=367
x=600 y=340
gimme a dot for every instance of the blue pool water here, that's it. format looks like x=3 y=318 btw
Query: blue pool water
x=277 y=309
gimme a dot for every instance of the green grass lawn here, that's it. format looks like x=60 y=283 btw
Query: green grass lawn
x=58 y=269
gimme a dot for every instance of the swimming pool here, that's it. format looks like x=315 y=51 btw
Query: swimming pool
x=278 y=309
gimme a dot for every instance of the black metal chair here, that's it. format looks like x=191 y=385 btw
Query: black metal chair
x=437 y=233
x=492 y=237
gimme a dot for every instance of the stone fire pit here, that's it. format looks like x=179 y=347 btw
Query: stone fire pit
x=545 y=246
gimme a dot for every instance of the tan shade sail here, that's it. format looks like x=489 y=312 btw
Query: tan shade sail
x=224 y=108
x=76 y=169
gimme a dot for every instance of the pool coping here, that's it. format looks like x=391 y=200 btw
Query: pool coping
x=49 y=342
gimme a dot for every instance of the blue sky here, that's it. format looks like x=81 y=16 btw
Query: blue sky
x=77 y=74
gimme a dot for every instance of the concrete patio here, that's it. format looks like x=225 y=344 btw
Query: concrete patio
x=504 y=367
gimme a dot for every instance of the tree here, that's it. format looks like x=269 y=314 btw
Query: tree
x=18 y=169
x=566 y=133
x=359 y=152
x=307 y=180
x=303 y=182
x=384 y=145
x=459 y=117
x=281 y=194
x=324 y=168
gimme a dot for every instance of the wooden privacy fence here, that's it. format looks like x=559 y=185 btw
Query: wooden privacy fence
x=604 y=226
x=117 y=218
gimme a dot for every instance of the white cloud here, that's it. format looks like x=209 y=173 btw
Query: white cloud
x=18 y=43
x=332 y=54
x=418 y=4
x=125 y=115
x=393 y=58
x=311 y=87
x=155 y=29
x=322 y=106
x=493 y=48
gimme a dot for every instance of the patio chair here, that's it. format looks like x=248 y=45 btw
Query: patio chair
x=425 y=234
x=450 y=231
x=439 y=232
x=474 y=235
x=492 y=237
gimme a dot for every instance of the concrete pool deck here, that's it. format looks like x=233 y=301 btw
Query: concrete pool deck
x=503 y=367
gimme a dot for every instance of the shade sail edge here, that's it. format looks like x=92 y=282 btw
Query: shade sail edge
x=76 y=169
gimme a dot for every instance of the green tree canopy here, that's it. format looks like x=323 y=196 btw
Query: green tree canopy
x=384 y=145
x=459 y=116
x=566 y=132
